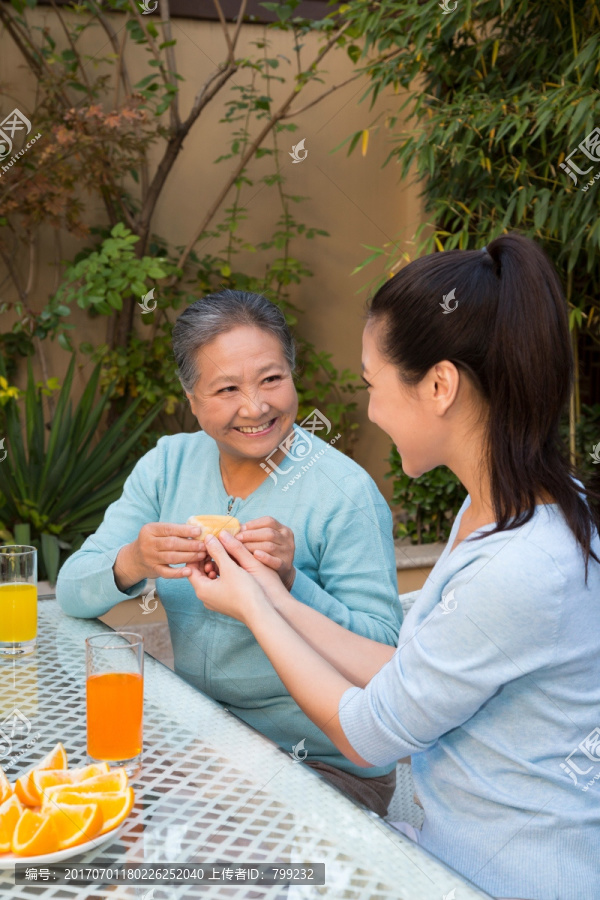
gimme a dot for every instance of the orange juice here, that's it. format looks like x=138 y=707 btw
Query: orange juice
x=18 y=612
x=115 y=703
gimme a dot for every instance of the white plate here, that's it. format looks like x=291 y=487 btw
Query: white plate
x=8 y=860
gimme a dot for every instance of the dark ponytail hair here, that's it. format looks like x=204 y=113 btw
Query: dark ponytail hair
x=509 y=334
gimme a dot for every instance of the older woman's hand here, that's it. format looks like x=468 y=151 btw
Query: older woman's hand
x=272 y=544
x=158 y=546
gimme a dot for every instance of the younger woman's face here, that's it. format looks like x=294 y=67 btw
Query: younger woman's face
x=244 y=397
x=413 y=417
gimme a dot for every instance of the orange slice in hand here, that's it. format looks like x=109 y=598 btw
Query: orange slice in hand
x=10 y=813
x=35 y=833
x=5 y=787
x=25 y=788
x=75 y=823
x=115 y=807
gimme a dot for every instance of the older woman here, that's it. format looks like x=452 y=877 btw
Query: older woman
x=310 y=513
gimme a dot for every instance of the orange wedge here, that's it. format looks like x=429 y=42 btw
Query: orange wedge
x=25 y=788
x=10 y=813
x=56 y=759
x=35 y=833
x=46 y=778
x=75 y=823
x=115 y=782
x=115 y=807
x=5 y=787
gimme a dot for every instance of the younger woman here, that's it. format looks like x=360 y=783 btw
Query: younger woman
x=494 y=689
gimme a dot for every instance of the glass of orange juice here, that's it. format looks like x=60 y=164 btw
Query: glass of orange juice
x=18 y=599
x=115 y=699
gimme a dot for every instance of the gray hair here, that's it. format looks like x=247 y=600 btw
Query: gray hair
x=215 y=314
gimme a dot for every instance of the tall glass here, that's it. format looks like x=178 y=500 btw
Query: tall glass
x=115 y=698
x=18 y=599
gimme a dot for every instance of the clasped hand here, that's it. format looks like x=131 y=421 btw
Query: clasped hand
x=244 y=584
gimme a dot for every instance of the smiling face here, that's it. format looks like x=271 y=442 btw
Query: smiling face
x=244 y=397
x=418 y=419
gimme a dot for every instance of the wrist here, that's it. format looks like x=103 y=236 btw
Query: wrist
x=255 y=607
x=289 y=581
x=280 y=597
x=125 y=571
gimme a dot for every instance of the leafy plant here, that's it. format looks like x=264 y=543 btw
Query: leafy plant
x=429 y=503
x=60 y=481
x=101 y=129
x=491 y=101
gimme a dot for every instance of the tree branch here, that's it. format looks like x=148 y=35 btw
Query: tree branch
x=252 y=150
x=34 y=58
x=238 y=26
x=217 y=6
x=336 y=87
x=171 y=62
x=112 y=36
x=71 y=44
x=172 y=150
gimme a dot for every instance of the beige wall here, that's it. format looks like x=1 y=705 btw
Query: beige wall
x=353 y=198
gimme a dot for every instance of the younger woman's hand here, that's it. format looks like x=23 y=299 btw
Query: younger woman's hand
x=235 y=592
x=272 y=544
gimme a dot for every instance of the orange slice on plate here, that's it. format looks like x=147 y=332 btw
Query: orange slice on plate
x=25 y=788
x=5 y=787
x=47 y=778
x=10 y=813
x=115 y=782
x=35 y=833
x=75 y=823
x=115 y=807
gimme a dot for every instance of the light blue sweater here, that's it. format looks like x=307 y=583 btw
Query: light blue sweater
x=495 y=691
x=344 y=560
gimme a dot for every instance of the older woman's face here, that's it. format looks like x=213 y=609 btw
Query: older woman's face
x=245 y=396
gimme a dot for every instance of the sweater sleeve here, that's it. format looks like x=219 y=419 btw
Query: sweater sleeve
x=498 y=621
x=358 y=584
x=86 y=583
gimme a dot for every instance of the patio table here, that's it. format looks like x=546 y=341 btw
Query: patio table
x=211 y=790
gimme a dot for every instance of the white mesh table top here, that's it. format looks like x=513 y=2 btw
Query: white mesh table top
x=211 y=790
